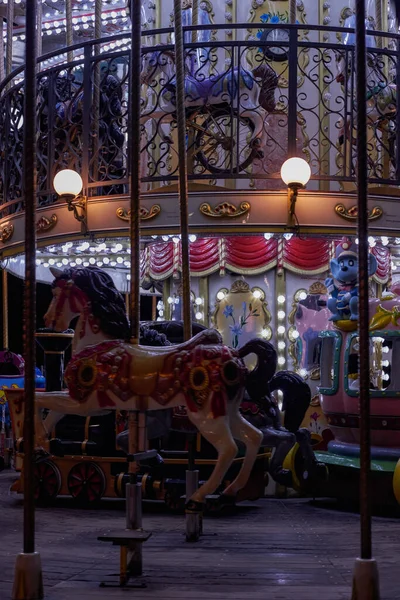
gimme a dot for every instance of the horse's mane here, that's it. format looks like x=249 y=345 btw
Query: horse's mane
x=108 y=305
x=106 y=301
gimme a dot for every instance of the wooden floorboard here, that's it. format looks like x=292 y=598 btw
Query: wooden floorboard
x=270 y=550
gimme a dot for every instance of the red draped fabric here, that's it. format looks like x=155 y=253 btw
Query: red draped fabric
x=204 y=256
x=252 y=254
x=249 y=255
x=311 y=255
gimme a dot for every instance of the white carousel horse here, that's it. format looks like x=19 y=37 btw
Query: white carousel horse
x=108 y=373
x=249 y=94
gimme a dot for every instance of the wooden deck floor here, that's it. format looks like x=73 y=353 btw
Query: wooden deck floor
x=270 y=550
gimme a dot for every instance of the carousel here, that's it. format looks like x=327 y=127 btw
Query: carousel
x=270 y=134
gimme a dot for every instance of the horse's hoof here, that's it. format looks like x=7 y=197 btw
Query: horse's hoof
x=194 y=508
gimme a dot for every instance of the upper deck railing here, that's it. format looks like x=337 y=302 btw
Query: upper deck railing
x=251 y=102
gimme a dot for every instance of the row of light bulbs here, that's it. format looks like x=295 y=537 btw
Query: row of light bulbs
x=371 y=239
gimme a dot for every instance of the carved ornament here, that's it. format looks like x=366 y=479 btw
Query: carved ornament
x=144 y=213
x=225 y=209
x=45 y=224
x=6 y=232
x=350 y=214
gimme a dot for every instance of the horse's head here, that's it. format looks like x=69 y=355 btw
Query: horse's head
x=157 y=63
x=90 y=293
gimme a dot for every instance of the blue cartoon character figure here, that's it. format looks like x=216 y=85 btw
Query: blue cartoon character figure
x=343 y=286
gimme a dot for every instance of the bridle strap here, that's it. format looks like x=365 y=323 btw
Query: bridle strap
x=79 y=303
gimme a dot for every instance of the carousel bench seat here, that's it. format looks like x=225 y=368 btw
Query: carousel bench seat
x=130 y=561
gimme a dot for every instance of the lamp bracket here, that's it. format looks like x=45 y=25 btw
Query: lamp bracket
x=78 y=205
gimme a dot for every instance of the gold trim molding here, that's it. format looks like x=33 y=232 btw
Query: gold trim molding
x=6 y=232
x=225 y=209
x=45 y=224
x=145 y=214
x=350 y=214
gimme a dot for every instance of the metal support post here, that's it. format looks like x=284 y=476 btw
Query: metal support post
x=192 y=520
x=133 y=488
x=365 y=577
x=28 y=583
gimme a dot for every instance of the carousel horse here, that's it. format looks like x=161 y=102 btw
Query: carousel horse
x=106 y=373
x=250 y=95
x=283 y=436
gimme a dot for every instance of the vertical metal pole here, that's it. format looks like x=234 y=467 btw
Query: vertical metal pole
x=9 y=39
x=365 y=580
x=5 y=309
x=39 y=28
x=362 y=188
x=69 y=28
x=28 y=572
x=133 y=488
x=292 y=100
x=135 y=169
x=193 y=521
x=98 y=7
x=2 y=70
x=30 y=271
x=182 y=157
x=292 y=11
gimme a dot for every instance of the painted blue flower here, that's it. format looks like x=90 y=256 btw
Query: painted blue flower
x=236 y=329
x=244 y=306
x=265 y=17
x=228 y=311
x=275 y=19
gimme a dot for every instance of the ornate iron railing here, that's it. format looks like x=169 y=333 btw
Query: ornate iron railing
x=250 y=103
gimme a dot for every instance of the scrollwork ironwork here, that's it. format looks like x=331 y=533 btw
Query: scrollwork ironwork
x=145 y=214
x=6 y=232
x=225 y=209
x=45 y=224
x=350 y=214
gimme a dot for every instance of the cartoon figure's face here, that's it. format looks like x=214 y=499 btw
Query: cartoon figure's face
x=345 y=268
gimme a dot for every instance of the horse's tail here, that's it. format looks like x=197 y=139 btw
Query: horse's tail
x=296 y=397
x=257 y=380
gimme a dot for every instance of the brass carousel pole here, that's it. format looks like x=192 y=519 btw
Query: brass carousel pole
x=28 y=571
x=69 y=29
x=365 y=576
x=133 y=488
x=193 y=520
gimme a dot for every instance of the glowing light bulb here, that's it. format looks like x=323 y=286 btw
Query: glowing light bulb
x=281 y=299
x=295 y=334
x=281 y=329
x=92 y=261
x=170 y=300
x=198 y=301
x=281 y=360
x=281 y=314
x=281 y=345
x=385 y=349
x=302 y=295
x=264 y=333
x=303 y=373
x=220 y=295
x=257 y=293
x=199 y=315
x=192 y=237
x=268 y=236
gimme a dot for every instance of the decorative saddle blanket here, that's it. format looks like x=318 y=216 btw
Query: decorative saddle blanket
x=117 y=369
